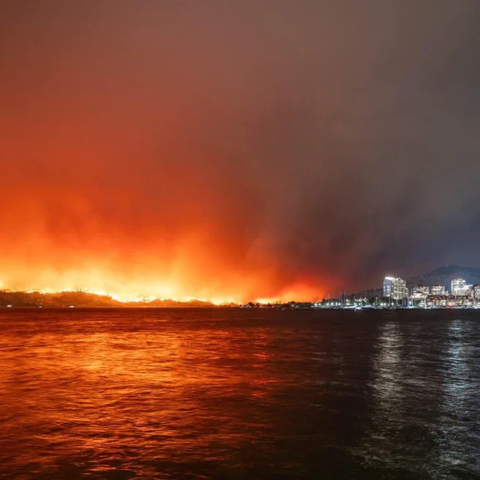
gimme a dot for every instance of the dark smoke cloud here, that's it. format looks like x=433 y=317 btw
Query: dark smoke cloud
x=331 y=142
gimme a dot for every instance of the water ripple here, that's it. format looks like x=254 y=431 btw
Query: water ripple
x=230 y=394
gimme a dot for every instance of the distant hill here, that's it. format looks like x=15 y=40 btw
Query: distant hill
x=85 y=300
x=444 y=276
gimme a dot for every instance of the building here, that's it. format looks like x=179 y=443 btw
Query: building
x=421 y=291
x=476 y=293
x=395 y=288
x=438 y=290
x=387 y=286
x=400 y=290
x=458 y=286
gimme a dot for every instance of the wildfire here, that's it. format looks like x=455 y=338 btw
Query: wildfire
x=135 y=291
x=74 y=246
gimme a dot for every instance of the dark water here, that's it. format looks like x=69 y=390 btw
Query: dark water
x=232 y=394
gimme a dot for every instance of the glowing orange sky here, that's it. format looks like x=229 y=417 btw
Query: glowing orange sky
x=128 y=167
x=184 y=237
x=235 y=150
x=60 y=237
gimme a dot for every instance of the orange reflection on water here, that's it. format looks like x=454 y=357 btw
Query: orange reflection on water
x=95 y=387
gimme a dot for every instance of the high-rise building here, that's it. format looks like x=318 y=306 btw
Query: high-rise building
x=400 y=290
x=438 y=290
x=395 y=288
x=458 y=286
x=387 y=286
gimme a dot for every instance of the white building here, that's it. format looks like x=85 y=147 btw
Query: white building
x=476 y=293
x=438 y=290
x=459 y=286
x=395 y=288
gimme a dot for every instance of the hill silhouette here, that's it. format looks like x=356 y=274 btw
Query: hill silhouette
x=444 y=275
x=86 y=300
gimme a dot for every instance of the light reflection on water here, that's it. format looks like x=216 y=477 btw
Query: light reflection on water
x=235 y=394
x=461 y=398
x=426 y=399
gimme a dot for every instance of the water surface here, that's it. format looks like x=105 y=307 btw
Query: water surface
x=235 y=394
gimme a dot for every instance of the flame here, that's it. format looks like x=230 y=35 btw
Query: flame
x=70 y=246
x=147 y=285
x=146 y=280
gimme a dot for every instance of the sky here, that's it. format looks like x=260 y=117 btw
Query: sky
x=222 y=150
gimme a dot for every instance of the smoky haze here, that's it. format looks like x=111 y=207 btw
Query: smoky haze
x=237 y=150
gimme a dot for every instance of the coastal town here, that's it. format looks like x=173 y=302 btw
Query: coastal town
x=396 y=295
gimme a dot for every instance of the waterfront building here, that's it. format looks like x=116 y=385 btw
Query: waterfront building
x=400 y=290
x=476 y=293
x=421 y=291
x=387 y=286
x=438 y=290
x=395 y=288
x=458 y=286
